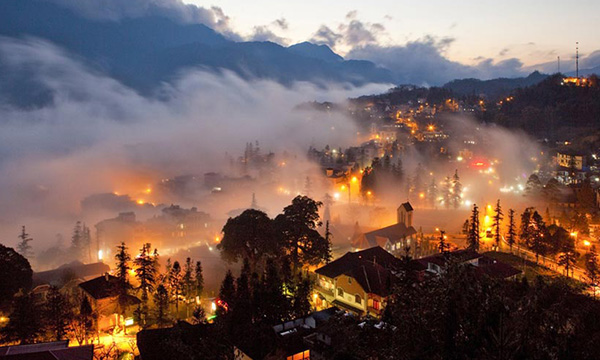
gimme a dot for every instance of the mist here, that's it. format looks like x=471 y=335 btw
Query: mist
x=98 y=136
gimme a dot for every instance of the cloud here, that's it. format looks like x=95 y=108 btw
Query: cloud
x=351 y=34
x=422 y=62
x=281 y=23
x=263 y=33
x=115 y=10
x=326 y=36
x=98 y=135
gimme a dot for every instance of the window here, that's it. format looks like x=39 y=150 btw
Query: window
x=376 y=304
x=340 y=292
x=357 y=299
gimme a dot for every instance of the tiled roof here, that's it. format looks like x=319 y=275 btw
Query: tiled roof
x=407 y=206
x=52 y=351
x=80 y=270
x=105 y=286
x=371 y=268
x=393 y=233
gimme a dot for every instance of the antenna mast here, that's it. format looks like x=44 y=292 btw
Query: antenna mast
x=577 y=59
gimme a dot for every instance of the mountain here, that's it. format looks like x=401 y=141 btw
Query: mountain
x=320 y=52
x=494 y=88
x=586 y=72
x=143 y=52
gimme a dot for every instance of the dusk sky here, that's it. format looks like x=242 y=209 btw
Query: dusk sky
x=532 y=31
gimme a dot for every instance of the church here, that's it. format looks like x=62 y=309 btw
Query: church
x=394 y=238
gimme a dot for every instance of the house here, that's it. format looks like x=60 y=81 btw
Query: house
x=102 y=293
x=292 y=340
x=57 y=350
x=435 y=264
x=358 y=282
x=66 y=272
x=394 y=238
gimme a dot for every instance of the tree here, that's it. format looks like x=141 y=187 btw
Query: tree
x=473 y=237
x=536 y=233
x=161 y=302
x=83 y=322
x=23 y=247
x=122 y=285
x=592 y=270
x=86 y=242
x=568 y=257
x=77 y=240
x=227 y=293
x=432 y=193
x=15 y=274
x=146 y=269
x=199 y=279
x=442 y=245
x=25 y=323
x=249 y=236
x=447 y=195
x=175 y=283
x=57 y=314
x=511 y=232
x=586 y=197
x=188 y=282
x=296 y=228
x=456 y=191
x=533 y=187
x=498 y=216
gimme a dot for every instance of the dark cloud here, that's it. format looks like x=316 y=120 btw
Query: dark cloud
x=503 y=52
x=422 y=62
x=115 y=10
x=264 y=33
x=281 y=23
x=326 y=36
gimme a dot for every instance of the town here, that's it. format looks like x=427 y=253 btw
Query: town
x=184 y=180
x=418 y=215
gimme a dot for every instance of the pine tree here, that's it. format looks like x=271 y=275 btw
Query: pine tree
x=442 y=245
x=498 y=217
x=512 y=231
x=161 y=302
x=199 y=279
x=592 y=270
x=568 y=256
x=175 y=283
x=57 y=314
x=188 y=282
x=86 y=242
x=432 y=193
x=227 y=293
x=456 y=190
x=122 y=284
x=146 y=272
x=23 y=247
x=83 y=322
x=24 y=324
x=537 y=237
x=77 y=240
x=474 y=238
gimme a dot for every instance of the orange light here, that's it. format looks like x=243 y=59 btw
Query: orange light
x=217 y=239
x=421 y=195
x=369 y=193
x=140 y=202
x=343 y=187
x=148 y=190
x=586 y=243
x=354 y=179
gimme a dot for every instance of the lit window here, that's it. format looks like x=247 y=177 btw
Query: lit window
x=357 y=299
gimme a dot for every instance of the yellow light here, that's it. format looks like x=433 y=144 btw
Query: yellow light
x=574 y=234
x=217 y=239
x=422 y=195
x=369 y=193
x=437 y=229
x=354 y=179
x=140 y=202
x=489 y=207
x=430 y=127
x=100 y=254
x=148 y=190
x=586 y=243
x=128 y=321
x=343 y=187
x=315 y=296
x=213 y=306
x=459 y=158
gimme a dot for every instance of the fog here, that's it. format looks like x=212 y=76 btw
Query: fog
x=99 y=136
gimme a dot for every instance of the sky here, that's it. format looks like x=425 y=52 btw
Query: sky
x=533 y=31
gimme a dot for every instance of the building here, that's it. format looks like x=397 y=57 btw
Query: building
x=394 y=238
x=102 y=293
x=435 y=264
x=57 y=350
x=570 y=160
x=358 y=282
